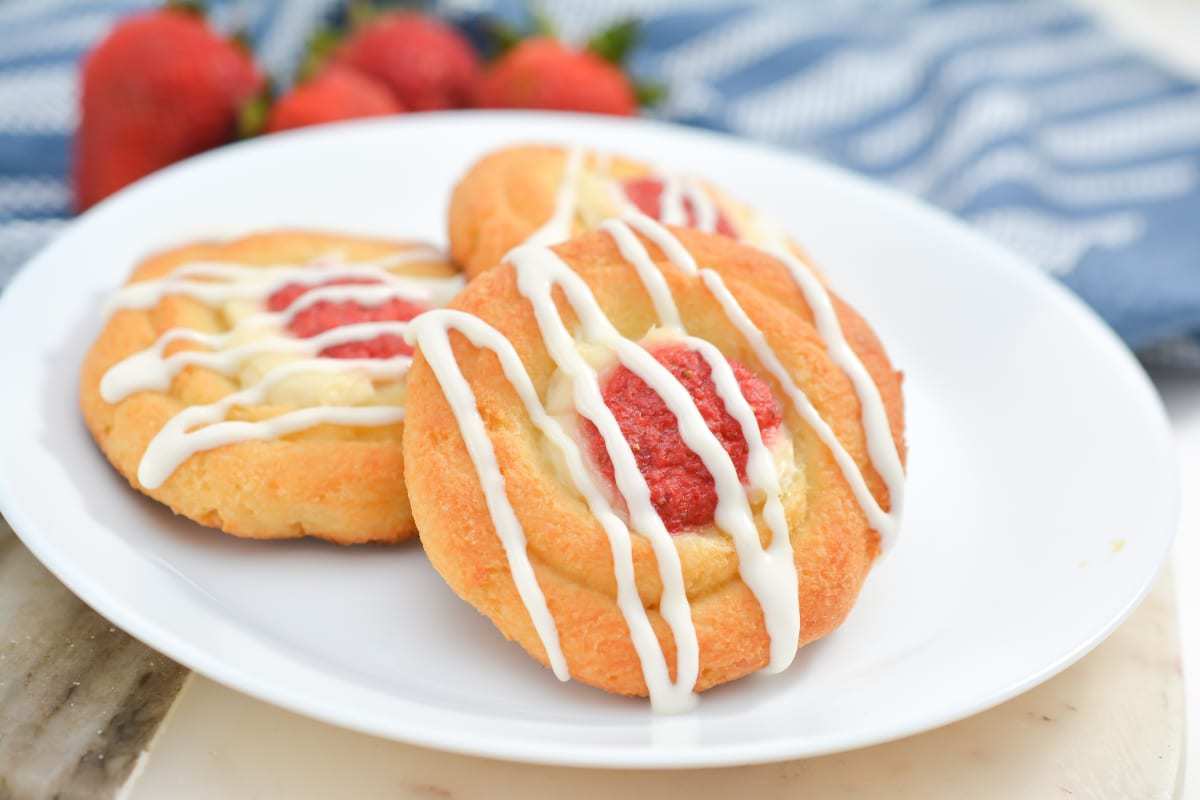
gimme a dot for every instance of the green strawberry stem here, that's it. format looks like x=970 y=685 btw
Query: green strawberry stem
x=616 y=42
x=320 y=47
x=197 y=7
x=252 y=117
x=649 y=93
x=503 y=37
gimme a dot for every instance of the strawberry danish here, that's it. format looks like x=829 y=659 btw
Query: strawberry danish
x=656 y=458
x=257 y=385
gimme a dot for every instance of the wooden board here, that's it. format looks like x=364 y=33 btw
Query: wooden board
x=79 y=699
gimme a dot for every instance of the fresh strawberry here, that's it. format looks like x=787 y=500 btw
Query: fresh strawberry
x=160 y=87
x=335 y=94
x=545 y=73
x=427 y=64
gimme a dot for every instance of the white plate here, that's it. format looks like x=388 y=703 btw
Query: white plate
x=1042 y=481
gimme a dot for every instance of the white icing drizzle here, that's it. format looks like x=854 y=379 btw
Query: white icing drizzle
x=538 y=271
x=884 y=522
x=558 y=228
x=770 y=573
x=878 y=518
x=199 y=428
x=671 y=208
x=881 y=445
x=430 y=332
x=672 y=248
x=703 y=206
x=632 y=251
x=149 y=370
x=181 y=437
x=227 y=281
x=676 y=193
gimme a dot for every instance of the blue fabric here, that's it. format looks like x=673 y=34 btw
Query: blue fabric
x=1026 y=119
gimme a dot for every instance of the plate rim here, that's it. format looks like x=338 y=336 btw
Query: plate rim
x=160 y=637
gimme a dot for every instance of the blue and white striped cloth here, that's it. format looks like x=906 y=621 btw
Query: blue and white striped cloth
x=1028 y=120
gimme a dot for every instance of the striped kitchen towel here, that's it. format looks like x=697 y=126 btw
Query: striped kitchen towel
x=1028 y=120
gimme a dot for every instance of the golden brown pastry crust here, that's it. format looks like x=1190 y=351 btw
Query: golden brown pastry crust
x=510 y=193
x=834 y=546
x=332 y=482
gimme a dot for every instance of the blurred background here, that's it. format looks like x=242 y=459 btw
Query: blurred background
x=1068 y=130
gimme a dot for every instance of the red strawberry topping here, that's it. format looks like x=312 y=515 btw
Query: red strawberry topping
x=681 y=488
x=325 y=315
x=646 y=194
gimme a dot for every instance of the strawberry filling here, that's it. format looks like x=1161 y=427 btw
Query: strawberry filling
x=325 y=315
x=646 y=194
x=681 y=489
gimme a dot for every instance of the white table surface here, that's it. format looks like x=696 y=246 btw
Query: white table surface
x=219 y=743
x=1181 y=392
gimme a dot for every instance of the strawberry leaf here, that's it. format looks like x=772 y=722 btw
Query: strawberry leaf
x=241 y=40
x=501 y=37
x=542 y=24
x=196 y=7
x=616 y=42
x=361 y=12
x=649 y=93
x=321 y=45
x=252 y=117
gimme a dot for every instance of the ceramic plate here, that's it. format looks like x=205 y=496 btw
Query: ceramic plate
x=1042 y=493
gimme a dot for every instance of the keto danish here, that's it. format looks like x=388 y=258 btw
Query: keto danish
x=656 y=458
x=257 y=385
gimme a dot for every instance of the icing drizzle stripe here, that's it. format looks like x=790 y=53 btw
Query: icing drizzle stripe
x=177 y=440
x=199 y=428
x=539 y=270
x=875 y=418
x=430 y=332
x=558 y=228
x=770 y=573
x=671 y=206
x=702 y=203
x=881 y=446
x=150 y=370
x=229 y=281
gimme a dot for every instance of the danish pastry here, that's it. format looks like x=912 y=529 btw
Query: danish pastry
x=257 y=385
x=656 y=458
x=546 y=194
